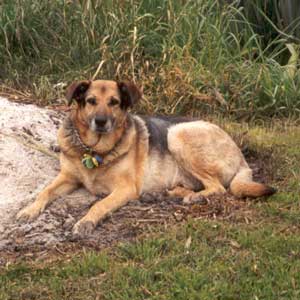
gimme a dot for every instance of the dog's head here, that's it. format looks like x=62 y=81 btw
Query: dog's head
x=102 y=104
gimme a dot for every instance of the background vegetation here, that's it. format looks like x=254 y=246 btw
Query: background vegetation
x=239 y=58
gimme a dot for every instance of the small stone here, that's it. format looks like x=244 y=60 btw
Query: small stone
x=178 y=216
x=55 y=148
x=68 y=224
x=26 y=228
x=49 y=227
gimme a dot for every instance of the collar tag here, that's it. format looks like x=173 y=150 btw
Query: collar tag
x=90 y=161
x=99 y=159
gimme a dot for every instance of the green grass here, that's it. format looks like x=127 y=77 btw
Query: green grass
x=224 y=261
x=190 y=56
x=258 y=259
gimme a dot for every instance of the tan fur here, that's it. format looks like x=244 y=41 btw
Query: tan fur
x=200 y=155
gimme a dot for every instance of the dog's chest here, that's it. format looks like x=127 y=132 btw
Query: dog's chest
x=100 y=180
x=96 y=181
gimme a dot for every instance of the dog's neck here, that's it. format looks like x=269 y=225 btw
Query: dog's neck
x=99 y=143
x=110 y=147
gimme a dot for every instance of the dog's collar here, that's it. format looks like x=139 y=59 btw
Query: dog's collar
x=90 y=158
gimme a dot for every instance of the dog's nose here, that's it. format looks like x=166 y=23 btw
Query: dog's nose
x=100 y=121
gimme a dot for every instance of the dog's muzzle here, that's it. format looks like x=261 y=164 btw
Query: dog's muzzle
x=102 y=124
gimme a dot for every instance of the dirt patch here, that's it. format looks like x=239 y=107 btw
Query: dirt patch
x=24 y=170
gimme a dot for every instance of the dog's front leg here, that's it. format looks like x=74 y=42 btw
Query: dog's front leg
x=62 y=185
x=118 y=198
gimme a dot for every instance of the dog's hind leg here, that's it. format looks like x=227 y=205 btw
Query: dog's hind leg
x=211 y=185
x=200 y=159
x=188 y=195
x=179 y=191
x=62 y=185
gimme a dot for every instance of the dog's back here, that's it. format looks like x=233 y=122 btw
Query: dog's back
x=158 y=127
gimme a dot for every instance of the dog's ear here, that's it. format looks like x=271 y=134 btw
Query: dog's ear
x=76 y=91
x=130 y=94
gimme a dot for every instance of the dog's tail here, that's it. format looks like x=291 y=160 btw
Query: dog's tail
x=242 y=185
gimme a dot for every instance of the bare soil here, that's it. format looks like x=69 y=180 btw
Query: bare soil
x=24 y=171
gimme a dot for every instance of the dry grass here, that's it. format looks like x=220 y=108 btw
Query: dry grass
x=191 y=57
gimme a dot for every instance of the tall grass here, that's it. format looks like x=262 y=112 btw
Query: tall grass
x=191 y=57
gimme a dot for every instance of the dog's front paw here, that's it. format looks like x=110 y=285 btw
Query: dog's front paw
x=29 y=213
x=83 y=228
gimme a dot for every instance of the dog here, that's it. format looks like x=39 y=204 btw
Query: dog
x=108 y=150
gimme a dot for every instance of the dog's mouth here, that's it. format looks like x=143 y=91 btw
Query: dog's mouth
x=102 y=125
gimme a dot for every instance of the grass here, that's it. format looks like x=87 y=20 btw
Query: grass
x=192 y=57
x=258 y=259
x=224 y=261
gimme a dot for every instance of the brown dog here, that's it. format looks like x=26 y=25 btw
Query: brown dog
x=110 y=151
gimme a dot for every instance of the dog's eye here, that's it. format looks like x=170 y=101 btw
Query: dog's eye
x=113 y=102
x=91 y=101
